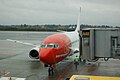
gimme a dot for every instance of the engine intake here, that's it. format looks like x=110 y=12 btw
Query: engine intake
x=34 y=53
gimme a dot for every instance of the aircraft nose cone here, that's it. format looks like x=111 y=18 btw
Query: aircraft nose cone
x=47 y=56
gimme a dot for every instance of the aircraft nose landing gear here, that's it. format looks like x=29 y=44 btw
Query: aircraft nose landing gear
x=51 y=70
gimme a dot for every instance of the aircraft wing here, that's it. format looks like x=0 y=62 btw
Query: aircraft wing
x=16 y=41
x=61 y=31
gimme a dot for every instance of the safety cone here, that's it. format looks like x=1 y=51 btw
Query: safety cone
x=10 y=78
x=4 y=72
x=0 y=73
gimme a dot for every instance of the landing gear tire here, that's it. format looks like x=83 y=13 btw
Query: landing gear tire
x=93 y=60
x=46 y=65
x=84 y=61
x=106 y=59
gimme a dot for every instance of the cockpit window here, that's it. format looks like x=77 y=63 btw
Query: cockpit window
x=55 y=46
x=43 y=45
x=51 y=45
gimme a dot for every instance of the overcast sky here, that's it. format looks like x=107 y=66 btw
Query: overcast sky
x=94 y=12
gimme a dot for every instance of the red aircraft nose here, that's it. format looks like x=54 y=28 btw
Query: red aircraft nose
x=47 y=56
x=54 y=48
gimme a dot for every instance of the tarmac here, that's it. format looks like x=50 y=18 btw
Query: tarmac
x=15 y=61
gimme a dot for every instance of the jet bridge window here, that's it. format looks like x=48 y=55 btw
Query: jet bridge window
x=51 y=45
x=86 y=41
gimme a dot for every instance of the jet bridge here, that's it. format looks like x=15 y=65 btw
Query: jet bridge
x=98 y=43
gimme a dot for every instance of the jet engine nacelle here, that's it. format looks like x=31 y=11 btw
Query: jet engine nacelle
x=34 y=53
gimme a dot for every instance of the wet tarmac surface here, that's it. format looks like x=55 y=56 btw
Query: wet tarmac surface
x=14 y=58
x=100 y=68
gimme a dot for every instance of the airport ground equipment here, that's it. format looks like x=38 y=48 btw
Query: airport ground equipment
x=98 y=43
x=86 y=77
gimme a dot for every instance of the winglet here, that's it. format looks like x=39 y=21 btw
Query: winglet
x=78 y=22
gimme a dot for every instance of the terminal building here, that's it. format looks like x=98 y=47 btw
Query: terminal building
x=98 y=43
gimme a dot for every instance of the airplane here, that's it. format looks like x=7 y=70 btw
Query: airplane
x=56 y=47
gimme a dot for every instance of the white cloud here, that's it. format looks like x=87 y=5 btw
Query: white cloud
x=59 y=12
